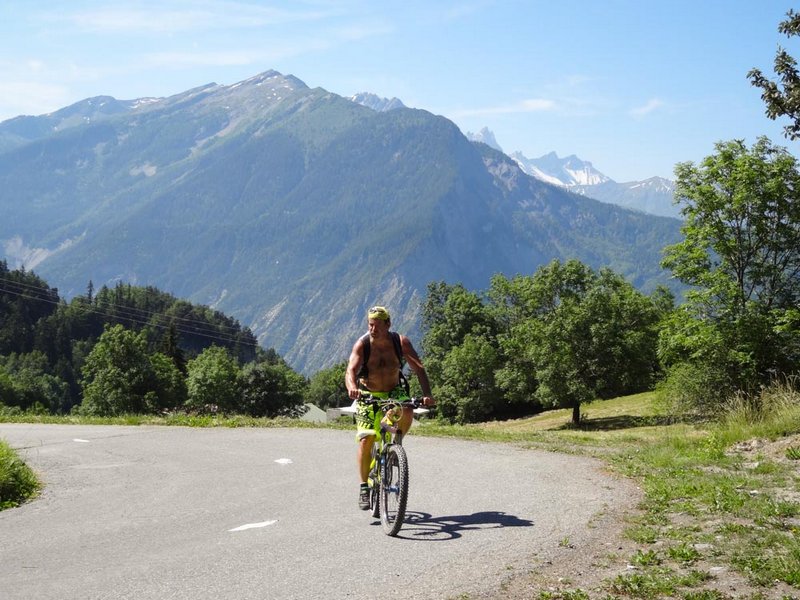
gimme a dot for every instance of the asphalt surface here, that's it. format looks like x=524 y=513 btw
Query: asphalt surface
x=187 y=513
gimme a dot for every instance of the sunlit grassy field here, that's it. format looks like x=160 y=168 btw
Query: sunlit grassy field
x=606 y=425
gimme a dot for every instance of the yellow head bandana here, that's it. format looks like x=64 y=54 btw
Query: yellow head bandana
x=378 y=312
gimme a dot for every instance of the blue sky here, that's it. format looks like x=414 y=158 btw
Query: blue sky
x=634 y=86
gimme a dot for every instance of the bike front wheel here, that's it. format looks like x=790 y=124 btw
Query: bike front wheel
x=394 y=489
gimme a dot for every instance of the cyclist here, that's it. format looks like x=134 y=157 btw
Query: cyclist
x=376 y=368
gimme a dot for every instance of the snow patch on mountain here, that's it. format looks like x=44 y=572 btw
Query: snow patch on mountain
x=376 y=103
x=654 y=184
x=567 y=172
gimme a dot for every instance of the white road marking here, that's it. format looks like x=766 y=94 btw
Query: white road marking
x=254 y=525
x=80 y=441
x=284 y=461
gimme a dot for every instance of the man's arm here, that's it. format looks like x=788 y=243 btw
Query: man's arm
x=416 y=365
x=353 y=366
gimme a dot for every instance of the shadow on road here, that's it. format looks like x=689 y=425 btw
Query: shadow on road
x=425 y=527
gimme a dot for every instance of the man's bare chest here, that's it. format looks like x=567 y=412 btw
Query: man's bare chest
x=383 y=359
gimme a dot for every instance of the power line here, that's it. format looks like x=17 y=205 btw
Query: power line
x=137 y=316
x=135 y=312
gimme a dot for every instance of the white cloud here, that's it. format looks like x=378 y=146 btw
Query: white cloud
x=642 y=111
x=177 y=60
x=524 y=106
x=30 y=98
x=34 y=65
x=179 y=16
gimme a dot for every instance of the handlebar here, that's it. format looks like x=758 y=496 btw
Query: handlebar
x=418 y=404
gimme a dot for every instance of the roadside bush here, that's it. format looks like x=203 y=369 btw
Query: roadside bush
x=694 y=389
x=326 y=388
x=212 y=380
x=17 y=481
x=778 y=404
x=271 y=390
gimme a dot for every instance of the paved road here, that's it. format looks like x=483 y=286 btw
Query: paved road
x=182 y=513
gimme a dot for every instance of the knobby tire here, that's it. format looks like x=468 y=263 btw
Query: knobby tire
x=394 y=489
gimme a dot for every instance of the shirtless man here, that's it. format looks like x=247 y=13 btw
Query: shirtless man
x=380 y=376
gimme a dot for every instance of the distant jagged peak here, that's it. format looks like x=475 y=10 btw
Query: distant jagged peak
x=270 y=77
x=93 y=105
x=375 y=102
x=568 y=171
x=658 y=184
x=244 y=98
x=486 y=136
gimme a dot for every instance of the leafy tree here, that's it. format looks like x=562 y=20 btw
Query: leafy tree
x=271 y=390
x=559 y=338
x=212 y=380
x=34 y=321
x=326 y=387
x=8 y=396
x=29 y=384
x=461 y=352
x=170 y=383
x=449 y=315
x=588 y=335
x=467 y=392
x=24 y=299
x=118 y=377
x=169 y=347
x=741 y=254
x=198 y=326
x=515 y=303
x=624 y=332
x=783 y=97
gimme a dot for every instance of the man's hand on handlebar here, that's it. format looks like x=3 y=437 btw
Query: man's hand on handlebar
x=362 y=395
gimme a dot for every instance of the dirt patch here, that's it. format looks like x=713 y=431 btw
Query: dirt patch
x=605 y=554
x=600 y=556
x=773 y=450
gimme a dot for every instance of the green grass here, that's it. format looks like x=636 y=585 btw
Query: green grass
x=707 y=502
x=17 y=482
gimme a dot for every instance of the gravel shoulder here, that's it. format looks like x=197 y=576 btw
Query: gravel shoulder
x=586 y=562
x=604 y=553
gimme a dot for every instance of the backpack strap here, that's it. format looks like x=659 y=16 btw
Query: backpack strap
x=363 y=372
x=398 y=347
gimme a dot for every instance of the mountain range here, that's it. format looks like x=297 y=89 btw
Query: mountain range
x=291 y=209
x=654 y=195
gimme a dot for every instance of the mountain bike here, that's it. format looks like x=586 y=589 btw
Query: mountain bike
x=388 y=471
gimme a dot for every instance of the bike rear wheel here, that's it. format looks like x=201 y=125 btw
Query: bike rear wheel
x=394 y=489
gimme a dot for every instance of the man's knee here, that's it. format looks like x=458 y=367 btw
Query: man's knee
x=366 y=441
